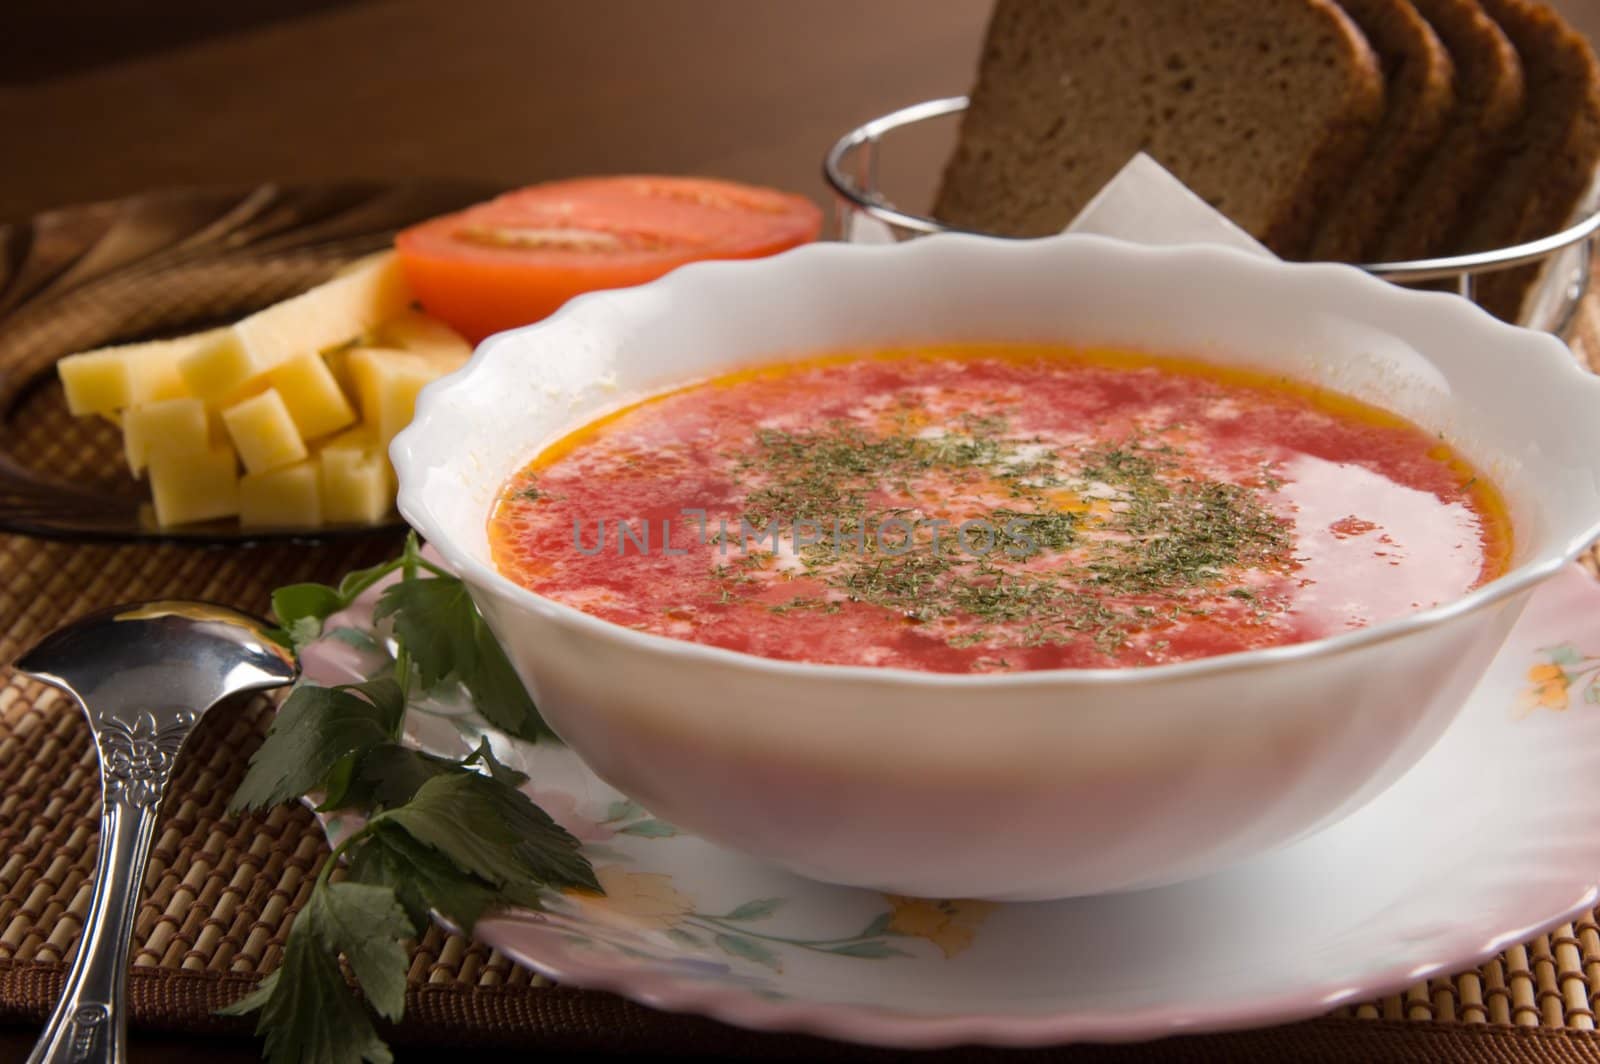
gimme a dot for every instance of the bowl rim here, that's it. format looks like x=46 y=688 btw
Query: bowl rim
x=407 y=455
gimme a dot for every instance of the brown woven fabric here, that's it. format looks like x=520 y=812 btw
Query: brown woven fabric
x=221 y=892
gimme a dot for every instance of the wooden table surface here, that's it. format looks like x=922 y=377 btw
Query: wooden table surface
x=510 y=90
x=498 y=89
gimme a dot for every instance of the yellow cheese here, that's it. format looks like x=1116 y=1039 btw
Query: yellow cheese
x=429 y=337
x=194 y=485
x=111 y=378
x=154 y=366
x=356 y=484
x=96 y=382
x=290 y=497
x=312 y=396
x=387 y=383
x=218 y=369
x=337 y=360
x=359 y=438
x=168 y=426
x=335 y=312
x=263 y=432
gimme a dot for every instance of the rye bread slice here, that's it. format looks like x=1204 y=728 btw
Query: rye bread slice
x=1419 y=79
x=1264 y=110
x=1490 y=91
x=1548 y=159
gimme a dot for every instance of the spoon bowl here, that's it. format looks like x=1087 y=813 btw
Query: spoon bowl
x=144 y=675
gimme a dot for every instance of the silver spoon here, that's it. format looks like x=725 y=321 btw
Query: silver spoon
x=144 y=675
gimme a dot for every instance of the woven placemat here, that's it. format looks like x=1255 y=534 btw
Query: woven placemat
x=220 y=892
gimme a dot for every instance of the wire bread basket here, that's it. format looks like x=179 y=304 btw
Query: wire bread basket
x=856 y=164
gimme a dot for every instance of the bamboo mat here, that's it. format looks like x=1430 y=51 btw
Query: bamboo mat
x=220 y=892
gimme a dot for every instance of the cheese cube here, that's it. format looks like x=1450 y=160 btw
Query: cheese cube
x=312 y=396
x=263 y=432
x=387 y=383
x=429 y=337
x=335 y=312
x=158 y=378
x=361 y=438
x=154 y=365
x=194 y=485
x=337 y=360
x=168 y=426
x=148 y=373
x=356 y=484
x=96 y=382
x=290 y=497
x=219 y=368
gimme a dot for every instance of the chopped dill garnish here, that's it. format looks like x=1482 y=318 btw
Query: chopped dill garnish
x=1082 y=533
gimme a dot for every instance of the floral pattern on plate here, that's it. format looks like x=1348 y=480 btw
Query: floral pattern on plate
x=1490 y=839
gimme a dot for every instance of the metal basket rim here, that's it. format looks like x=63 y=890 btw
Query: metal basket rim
x=1435 y=269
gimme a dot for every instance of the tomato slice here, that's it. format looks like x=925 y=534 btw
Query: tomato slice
x=517 y=258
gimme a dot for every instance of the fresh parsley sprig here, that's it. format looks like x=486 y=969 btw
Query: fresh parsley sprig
x=453 y=837
x=438 y=630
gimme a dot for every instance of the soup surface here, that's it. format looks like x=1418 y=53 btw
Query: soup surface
x=998 y=508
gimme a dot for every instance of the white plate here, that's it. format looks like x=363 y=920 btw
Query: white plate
x=1489 y=840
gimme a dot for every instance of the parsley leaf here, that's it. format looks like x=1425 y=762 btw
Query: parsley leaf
x=498 y=771
x=366 y=924
x=300 y=603
x=437 y=624
x=422 y=878
x=314 y=731
x=492 y=831
x=435 y=620
x=389 y=774
x=452 y=837
x=308 y=1014
x=498 y=693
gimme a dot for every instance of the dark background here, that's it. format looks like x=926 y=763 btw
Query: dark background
x=98 y=100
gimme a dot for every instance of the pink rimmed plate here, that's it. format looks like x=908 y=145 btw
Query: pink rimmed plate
x=1491 y=838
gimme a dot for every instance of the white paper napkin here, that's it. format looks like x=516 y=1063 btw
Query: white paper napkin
x=1144 y=203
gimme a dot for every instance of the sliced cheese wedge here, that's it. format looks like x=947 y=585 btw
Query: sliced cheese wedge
x=335 y=312
x=429 y=337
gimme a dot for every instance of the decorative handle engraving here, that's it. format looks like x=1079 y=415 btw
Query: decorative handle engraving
x=136 y=756
x=137 y=752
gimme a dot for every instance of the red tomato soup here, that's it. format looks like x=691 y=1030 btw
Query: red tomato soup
x=983 y=509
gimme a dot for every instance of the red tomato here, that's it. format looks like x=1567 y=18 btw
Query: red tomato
x=517 y=258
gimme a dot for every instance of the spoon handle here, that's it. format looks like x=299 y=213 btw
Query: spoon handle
x=90 y=1023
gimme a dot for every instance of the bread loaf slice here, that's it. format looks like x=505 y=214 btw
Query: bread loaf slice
x=1489 y=97
x=1419 y=80
x=1548 y=159
x=1264 y=110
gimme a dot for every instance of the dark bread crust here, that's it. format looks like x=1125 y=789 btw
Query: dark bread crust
x=1490 y=92
x=1547 y=161
x=1264 y=110
x=1419 y=79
